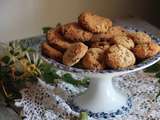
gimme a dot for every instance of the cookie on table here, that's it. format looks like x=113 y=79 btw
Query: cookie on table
x=56 y=40
x=103 y=45
x=74 y=54
x=94 y=59
x=51 y=52
x=75 y=33
x=124 y=41
x=116 y=31
x=147 y=50
x=118 y=56
x=94 y=23
x=139 y=37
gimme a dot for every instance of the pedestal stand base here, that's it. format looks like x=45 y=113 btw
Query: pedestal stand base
x=102 y=99
x=104 y=115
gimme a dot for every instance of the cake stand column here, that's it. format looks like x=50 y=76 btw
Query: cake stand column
x=101 y=96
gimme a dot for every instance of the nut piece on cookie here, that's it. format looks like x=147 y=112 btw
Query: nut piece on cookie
x=139 y=37
x=116 y=31
x=103 y=45
x=94 y=59
x=143 y=51
x=51 y=52
x=56 y=40
x=74 y=54
x=94 y=23
x=124 y=41
x=75 y=33
x=118 y=56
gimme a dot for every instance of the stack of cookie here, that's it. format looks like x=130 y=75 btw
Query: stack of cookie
x=94 y=43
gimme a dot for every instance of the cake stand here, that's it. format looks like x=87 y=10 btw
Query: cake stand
x=102 y=99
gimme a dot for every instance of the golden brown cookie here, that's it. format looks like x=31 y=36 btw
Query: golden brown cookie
x=124 y=41
x=94 y=59
x=139 y=37
x=100 y=37
x=94 y=23
x=51 y=52
x=74 y=54
x=116 y=31
x=103 y=45
x=75 y=33
x=118 y=56
x=56 y=40
x=147 y=50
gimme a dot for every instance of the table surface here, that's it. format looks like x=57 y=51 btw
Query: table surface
x=7 y=113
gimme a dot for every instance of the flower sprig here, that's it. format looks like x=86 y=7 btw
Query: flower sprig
x=20 y=65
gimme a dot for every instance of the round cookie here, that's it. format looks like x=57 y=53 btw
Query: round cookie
x=94 y=59
x=100 y=37
x=75 y=33
x=139 y=37
x=94 y=23
x=124 y=41
x=118 y=56
x=74 y=54
x=143 y=51
x=103 y=45
x=116 y=31
x=56 y=40
x=51 y=52
x=51 y=33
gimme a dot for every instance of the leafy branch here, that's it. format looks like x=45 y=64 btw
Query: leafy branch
x=21 y=65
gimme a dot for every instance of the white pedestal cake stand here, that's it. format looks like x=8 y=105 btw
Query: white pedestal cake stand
x=102 y=99
x=102 y=95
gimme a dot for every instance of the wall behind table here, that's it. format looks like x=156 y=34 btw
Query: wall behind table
x=25 y=18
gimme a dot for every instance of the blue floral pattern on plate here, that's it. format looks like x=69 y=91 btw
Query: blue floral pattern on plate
x=123 y=110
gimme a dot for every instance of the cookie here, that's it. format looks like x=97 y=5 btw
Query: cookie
x=118 y=56
x=103 y=45
x=147 y=50
x=94 y=23
x=94 y=59
x=74 y=54
x=75 y=33
x=116 y=31
x=124 y=41
x=140 y=37
x=51 y=52
x=100 y=37
x=56 y=40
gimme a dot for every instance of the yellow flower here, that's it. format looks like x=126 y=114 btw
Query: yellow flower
x=24 y=62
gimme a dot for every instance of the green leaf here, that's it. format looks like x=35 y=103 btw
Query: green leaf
x=153 y=69
x=157 y=74
x=48 y=72
x=49 y=76
x=6 y=59
x=83 y=116
x=4 y=70
x=69 y=79
x=46 y=29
